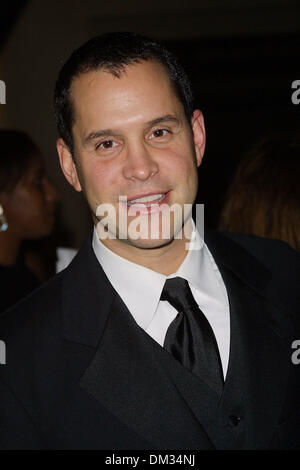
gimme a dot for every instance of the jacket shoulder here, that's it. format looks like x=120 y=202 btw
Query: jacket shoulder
x=282 y=261
x=38 y=307
x=274 y=254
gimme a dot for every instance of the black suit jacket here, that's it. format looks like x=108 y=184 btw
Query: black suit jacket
x=81 y=374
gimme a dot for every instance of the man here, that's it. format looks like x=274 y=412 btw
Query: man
x=142 y=343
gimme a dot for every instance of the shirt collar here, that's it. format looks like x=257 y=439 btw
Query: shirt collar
x=140 y=287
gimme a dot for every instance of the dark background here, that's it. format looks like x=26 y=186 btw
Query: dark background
x=242 y=58
x=243 y=88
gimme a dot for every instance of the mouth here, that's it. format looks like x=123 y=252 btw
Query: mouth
x=147 y=204
x=147 y=200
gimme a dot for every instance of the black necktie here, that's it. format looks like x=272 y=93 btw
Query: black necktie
x=190 y=338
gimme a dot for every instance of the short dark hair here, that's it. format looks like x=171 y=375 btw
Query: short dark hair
x=113 y=52
x=17 y=152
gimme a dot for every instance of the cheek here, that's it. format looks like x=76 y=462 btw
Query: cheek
x=182 y=167
x=182 y=162
x=100 y=183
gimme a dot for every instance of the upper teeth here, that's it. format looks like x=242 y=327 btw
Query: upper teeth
x=153 y=197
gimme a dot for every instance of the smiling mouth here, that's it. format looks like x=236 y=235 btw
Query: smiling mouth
x=147 y=200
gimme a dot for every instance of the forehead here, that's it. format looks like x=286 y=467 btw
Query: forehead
x=142 y=89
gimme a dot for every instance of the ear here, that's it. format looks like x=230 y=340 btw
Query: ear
x=198 y=128
x=68 y=165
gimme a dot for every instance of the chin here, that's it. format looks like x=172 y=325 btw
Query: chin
x=145 y=244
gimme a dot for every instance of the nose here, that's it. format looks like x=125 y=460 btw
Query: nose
x=139 y=164
x=51 y=193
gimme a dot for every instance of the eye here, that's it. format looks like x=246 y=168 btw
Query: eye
x=106 y=144
x=160 y=133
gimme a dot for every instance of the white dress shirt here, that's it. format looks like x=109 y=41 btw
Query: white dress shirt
x=140 y=289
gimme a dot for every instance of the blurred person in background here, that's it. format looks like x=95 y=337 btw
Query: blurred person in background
x=264 y=196
x=27 y=212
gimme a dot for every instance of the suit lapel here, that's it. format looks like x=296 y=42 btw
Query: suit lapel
x=144 y=387
x=127 y=378
x=264 y=356
x=87 y=298
x=124 y=374
x=260 y=347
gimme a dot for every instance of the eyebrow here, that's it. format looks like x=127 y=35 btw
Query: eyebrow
x=166 y=118
x=96 y=135
x=106 y=132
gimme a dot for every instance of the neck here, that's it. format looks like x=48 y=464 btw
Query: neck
x=9 y=248
x=164 y=259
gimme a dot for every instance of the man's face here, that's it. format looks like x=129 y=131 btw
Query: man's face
x=132 y=139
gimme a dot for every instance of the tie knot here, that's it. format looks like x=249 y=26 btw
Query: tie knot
x=178 y=293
